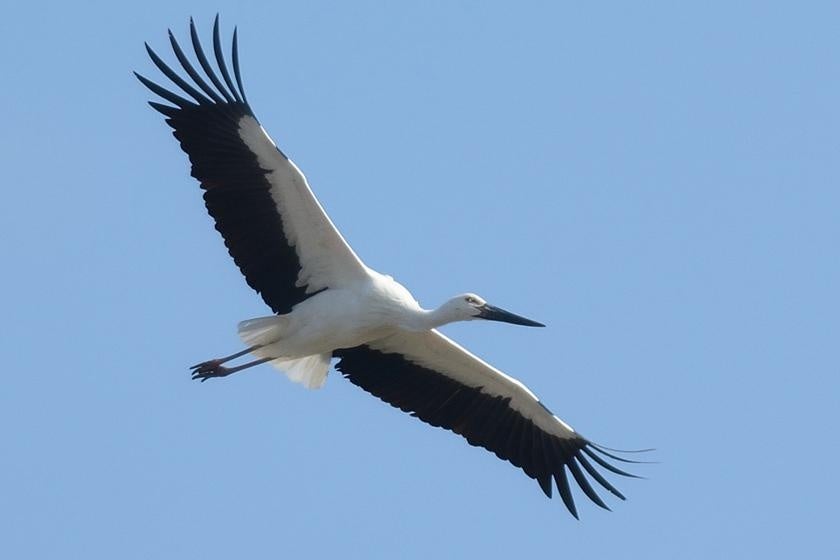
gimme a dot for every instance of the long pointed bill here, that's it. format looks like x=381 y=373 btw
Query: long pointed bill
x=493 y=313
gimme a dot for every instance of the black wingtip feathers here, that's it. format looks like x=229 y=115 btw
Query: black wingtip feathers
x=204 y=93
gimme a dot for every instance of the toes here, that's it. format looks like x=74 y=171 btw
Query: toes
x=209 y=365
x=206 y=370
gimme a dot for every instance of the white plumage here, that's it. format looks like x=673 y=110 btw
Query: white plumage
x=328 y=304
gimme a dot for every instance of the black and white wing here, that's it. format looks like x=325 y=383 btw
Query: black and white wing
x=431 y=377
x=273 y=226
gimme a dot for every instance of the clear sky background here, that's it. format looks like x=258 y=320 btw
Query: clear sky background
x=659 y=184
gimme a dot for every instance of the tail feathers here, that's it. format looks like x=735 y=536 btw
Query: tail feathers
x=311 y=371
x=267 y=332
x=261 y=331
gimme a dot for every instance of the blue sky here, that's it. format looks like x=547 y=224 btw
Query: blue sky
x=657 y=183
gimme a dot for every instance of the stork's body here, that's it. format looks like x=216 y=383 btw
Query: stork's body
x=370 y=309
x=328 y=304
x=345 y=317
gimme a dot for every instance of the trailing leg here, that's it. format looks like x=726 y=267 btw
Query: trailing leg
x=214 y=368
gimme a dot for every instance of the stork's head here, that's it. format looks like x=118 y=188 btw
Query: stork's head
x=467 y=307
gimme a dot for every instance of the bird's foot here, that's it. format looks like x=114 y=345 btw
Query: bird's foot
x=208 y=369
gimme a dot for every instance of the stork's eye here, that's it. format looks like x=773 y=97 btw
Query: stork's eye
x=471 y=300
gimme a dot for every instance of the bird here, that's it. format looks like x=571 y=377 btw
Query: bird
x=328 y=305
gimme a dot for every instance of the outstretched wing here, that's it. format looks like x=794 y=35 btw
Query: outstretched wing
x=431 y=377
x=273 y=226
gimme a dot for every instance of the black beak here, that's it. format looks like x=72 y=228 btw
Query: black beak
x=493 y=313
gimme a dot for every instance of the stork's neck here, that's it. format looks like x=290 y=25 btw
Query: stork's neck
x=427 y=319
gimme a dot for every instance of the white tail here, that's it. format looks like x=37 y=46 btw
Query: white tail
x=262 y=330
x=309 y=371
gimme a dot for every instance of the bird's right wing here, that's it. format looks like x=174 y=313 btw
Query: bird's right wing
x=272 y=224
x=431 y=377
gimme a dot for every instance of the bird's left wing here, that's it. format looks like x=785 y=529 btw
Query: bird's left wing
x=273 y=226
x=436 y=380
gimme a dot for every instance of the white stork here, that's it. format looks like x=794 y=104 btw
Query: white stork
x=328 y=304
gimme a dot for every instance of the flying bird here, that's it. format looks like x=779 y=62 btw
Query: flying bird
x=328 y=304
